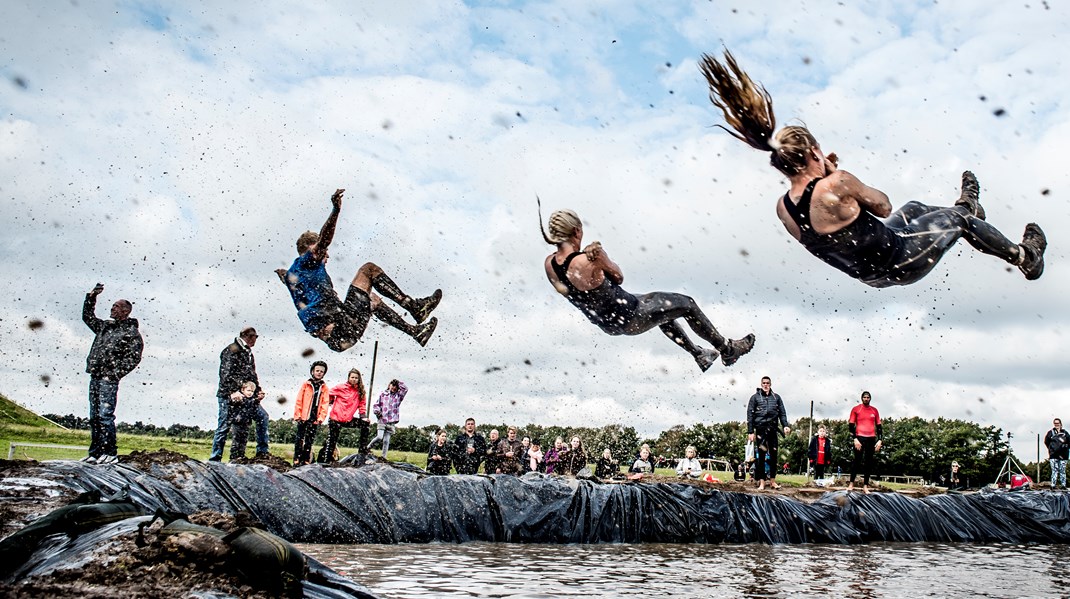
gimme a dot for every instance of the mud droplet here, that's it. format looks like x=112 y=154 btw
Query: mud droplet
x=308 y=352
x=35 y=323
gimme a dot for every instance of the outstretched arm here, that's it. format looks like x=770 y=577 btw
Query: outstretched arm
x=89 y=309
x=327 y=232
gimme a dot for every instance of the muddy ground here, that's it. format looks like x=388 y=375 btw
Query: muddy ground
x=166 y=567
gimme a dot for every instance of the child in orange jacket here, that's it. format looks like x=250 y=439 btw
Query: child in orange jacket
x=310 y=411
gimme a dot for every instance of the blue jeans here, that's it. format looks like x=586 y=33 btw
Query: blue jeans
x=1058 y=472
x=219 y=441
x=103 y=395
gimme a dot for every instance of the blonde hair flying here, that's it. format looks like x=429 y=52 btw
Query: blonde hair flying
x=748 y=108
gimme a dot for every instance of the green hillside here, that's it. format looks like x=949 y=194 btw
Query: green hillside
x=13 y=413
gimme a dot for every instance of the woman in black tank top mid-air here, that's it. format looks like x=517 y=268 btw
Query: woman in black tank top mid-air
x=835 y=216
x=591 y=282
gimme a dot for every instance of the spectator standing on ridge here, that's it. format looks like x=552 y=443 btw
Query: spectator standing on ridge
x=310 y=410
x=438 y=456
x=553 y=456
x=954 y=481
x=573 y=458
x=607 y=467
x=534 y=463
x=764 y=410
x=820 y=452
x=116 y=351
x=387 y=412
x=349 y=409
x=236 y=366
x=508 y=452
x=642 y=465
x=1058 y=443
x=491 y=462
x=866 y=432
x=468 y=449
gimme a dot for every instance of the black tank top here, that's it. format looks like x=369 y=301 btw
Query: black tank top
x=864 y=249
x=608 y=305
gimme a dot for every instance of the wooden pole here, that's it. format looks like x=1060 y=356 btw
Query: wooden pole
x=371 y=381
x=809 y=436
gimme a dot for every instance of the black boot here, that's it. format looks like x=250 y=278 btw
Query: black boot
x=735 y=349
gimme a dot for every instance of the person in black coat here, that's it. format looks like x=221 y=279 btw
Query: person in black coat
x=764 y=410
x=468 y=449
x=438 y=457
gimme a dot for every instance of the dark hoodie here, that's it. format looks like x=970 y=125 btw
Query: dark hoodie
x=117 y=347
x=763 y=411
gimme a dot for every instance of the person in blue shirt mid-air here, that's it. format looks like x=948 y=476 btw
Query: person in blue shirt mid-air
x=340 y=324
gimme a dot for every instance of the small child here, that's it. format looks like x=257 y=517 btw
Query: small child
x=310 y=411
x=243 y=405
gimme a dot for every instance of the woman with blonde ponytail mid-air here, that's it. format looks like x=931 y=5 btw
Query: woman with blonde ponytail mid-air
x=591 y=282
x=836 y=217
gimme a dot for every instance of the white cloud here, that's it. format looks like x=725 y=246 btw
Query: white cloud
x=175 y=155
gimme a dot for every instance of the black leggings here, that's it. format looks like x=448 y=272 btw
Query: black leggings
x=662 y=309
x=768 y=438
x=305 y=435
x=863 y=456
x=334 y=430
x=928 y=232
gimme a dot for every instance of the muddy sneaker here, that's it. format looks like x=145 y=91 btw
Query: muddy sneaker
x=707 y=358
x=424 y=331
x=1033 y=244
x=736 y=349
x=422 y=308
x=88 y=459
x=108 y=459
x=970 y=197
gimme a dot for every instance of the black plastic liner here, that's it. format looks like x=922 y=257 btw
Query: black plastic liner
x=381 y=503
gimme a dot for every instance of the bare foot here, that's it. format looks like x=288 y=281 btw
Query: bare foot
x=865 y=490
x=851 y=487
x=761 y=486
x=775 y=486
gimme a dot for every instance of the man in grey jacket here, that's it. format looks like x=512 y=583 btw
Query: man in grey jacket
x=764 y=411
x=116 y=351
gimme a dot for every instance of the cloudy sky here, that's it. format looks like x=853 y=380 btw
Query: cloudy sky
x=174 y=151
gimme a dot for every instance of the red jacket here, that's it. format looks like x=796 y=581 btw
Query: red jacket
x=347 y=401
x=303 y=406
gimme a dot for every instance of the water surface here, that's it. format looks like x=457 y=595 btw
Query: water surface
x=668 y=571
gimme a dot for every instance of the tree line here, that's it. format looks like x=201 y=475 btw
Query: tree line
x=912 y=446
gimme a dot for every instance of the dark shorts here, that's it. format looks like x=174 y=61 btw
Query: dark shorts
x=350 y=318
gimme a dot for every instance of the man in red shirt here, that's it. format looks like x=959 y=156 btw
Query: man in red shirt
x=865 y=427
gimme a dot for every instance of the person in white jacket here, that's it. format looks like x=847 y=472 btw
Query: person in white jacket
x=689 y=467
